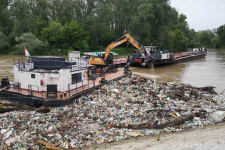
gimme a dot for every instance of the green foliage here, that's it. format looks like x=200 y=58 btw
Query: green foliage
x=5 y=18
x=75 y=37
x=221 y=36
x=87 y=25
x=4 y=43
x=30 y=42
x=54 y=34
x=205 y=38
x=179 y=40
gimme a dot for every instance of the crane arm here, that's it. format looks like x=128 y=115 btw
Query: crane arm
x=122 y=40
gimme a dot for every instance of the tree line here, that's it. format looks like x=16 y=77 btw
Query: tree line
x=44 y=26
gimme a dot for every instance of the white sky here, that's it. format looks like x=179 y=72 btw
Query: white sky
x=202 y=14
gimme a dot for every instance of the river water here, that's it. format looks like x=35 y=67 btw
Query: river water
x=209 y=71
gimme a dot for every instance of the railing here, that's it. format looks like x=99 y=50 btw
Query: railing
x=81 y=88
x=50 y=64
x=30 y=90
x=80 y=63
x=18 y=86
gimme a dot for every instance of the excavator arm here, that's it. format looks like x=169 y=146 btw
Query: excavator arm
x=122 y=40
x=126 y=38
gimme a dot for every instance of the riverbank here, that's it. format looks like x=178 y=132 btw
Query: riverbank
x=129 y=108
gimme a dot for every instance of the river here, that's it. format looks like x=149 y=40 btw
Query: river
x=209 y=71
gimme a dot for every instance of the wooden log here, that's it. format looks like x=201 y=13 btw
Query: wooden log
x=174 y=122
x=47 y=145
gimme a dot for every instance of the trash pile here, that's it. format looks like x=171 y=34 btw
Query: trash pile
x=119 y=110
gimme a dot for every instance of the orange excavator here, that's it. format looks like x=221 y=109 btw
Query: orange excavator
x=106 y=60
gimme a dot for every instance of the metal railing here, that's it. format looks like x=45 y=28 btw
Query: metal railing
x=81 y=88
x=30 y=90
x=42 y=64
x=80 y=63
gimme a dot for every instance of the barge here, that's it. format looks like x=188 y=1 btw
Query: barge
x=162 y=58
x=51 y=81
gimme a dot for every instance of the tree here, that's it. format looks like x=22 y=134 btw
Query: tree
x=5 y=18
x=100 y=26
x=74 y=36
x=179 y=40
x=142 y=31
x=99 y=22
x=31 y=42
x=54 y=34
x=24 y=20
x=221 y=35
x=4 y=43
x=205 y=38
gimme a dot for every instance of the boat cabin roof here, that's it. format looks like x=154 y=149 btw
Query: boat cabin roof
x=98 y=53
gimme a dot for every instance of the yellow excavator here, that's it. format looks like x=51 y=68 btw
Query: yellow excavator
x=106 y=60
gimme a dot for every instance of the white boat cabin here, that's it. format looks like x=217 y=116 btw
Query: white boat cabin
x=51 y=73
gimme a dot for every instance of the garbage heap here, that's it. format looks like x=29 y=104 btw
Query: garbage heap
x=119 y=110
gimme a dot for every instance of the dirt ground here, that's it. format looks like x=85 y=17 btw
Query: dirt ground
x=206 y=138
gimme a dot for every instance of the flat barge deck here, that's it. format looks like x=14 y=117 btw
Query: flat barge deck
x=180 y=58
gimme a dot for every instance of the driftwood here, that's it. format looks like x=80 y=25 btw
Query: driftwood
x=209 y=89
x=8 y=106
x=174 y=122
x=43 y=109
x=47 y=145
x=165 y=110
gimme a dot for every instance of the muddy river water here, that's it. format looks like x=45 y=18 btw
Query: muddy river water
x=209 y=71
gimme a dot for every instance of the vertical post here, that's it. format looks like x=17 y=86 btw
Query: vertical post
x=69 y=88
x=19 y=64
x=83 y=85
x=18 y=87
x=79 y=62
x=76 y=87
x=88 y=83
x=93 y=82
x=31 y=93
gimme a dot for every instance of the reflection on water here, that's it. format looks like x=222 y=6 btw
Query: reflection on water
x=203 y=72
x=209 y=71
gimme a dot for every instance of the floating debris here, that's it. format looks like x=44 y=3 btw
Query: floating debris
x=119 y=110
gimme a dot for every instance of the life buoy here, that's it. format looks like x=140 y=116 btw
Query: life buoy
x=42 y=82
x=85 y=74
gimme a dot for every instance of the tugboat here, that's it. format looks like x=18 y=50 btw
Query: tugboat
x=50 y=80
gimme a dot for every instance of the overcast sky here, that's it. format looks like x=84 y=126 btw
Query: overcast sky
x=202 y=14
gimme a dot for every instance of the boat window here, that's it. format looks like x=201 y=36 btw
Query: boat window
x=33 y=76
x=76 y=77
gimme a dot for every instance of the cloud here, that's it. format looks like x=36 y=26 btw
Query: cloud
x=202 y=14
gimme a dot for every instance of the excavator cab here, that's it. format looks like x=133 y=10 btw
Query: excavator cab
x=99 y=59
x=109 y=59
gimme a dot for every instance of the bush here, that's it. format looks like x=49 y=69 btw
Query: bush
x=31 y=43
